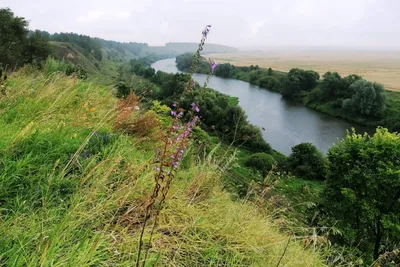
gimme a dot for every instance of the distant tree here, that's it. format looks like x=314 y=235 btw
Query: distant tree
x=290 y=86
x=307 y=162
x=368 y=99
x=224 y=70
x=347 y=81
x=37 y=48
x=362 y=193
x=269 y=82
x=331 y=85
x=184 y=61
x=298 y=80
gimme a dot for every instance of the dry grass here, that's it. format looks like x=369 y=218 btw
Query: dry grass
x=382 y=67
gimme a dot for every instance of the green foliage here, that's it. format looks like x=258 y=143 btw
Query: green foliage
x=369 y=98
x=17 y=47
x=266 y=78
x=307 y=162
x=76 y=70
x=261 y=162
x=37 y=48
x=122 y=90
x=331 y=85
x=298 y=80
x=159 y=108
x=363 y=190
x=61 y=206
x=52 y=66
x=184 y=61
x=90 y=46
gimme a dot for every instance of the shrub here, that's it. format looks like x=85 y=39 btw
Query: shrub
x=159 y=108
x=307 y=162
x=261 y=162
x=122 y=90
x=76 y=70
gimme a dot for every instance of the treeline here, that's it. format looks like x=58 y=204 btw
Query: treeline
x=349 y=97
x=266 y=78
x=90 y=45
x=19 y=46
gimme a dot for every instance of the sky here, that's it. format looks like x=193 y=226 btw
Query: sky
x=238 y=23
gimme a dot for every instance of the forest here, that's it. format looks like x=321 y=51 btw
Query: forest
x=354 y=190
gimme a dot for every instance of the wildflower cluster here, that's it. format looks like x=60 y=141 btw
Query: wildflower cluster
x=168 y=158
x=167 y=161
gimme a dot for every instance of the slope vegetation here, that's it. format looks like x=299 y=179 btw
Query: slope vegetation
x=73 y=188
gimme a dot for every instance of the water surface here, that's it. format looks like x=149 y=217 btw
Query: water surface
x=286 y=123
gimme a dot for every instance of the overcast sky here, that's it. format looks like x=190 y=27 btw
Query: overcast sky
x=238 y=23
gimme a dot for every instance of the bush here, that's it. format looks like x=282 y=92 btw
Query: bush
x=261 y=162
x=122 y=90
x=78 y=71
x=159 y=108
x=307 y=162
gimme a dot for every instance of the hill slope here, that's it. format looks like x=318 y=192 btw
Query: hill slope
x=73 y=189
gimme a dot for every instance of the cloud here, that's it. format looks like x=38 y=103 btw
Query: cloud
x=235 y=22
x=91 y=16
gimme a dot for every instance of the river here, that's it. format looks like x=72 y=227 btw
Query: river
x=286 y=123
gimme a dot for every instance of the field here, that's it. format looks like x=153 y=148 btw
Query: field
x=382 y=67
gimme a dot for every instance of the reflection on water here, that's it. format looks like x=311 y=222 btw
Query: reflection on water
x=287 y=123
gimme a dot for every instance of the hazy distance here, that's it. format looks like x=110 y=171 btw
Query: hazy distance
x=251 y=24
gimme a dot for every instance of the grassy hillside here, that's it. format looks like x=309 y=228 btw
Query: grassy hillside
x=60 y=50
x=73 y=189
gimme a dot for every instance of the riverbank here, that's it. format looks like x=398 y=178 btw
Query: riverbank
x=284 y=120
x=272 y=80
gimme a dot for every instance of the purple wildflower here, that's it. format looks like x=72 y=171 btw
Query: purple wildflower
x=195 y=107
x=174 y=104
x=175 y=164
x=156 y=169
x=191 y=84
x=173 y=113
x=206 y=31
x=213 y=66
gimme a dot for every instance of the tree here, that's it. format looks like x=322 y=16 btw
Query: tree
x=224 y=70
x=37 y=48
x=299 y=80
x=13 y=38
x=369 y=98
x=307 y=162
x=363 y=189
x=18 y=46
x=331 y=85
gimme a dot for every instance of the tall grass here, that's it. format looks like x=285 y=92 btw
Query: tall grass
x=73 y=189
